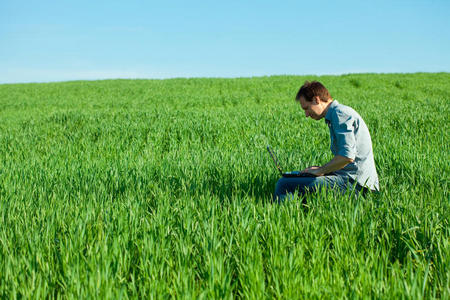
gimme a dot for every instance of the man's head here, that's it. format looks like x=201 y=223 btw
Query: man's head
x=314 y=99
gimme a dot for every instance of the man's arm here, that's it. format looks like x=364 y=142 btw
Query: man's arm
x=343 y=126
x=337 y=163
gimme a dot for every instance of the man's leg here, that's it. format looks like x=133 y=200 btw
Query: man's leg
x=301 y=185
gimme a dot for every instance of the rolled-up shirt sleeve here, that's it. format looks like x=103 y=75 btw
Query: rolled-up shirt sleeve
x=345 y=136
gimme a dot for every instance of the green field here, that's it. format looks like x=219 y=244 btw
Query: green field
x=162 y=188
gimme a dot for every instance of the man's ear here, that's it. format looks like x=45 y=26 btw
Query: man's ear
x=316 y=99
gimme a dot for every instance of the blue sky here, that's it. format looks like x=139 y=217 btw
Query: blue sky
x=43 y=41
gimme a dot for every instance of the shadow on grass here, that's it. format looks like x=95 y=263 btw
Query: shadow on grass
x=259 y=187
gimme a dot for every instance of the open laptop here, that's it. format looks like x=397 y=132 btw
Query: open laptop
x=286 y=174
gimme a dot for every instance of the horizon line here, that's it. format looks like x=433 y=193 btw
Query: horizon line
x=218 y=77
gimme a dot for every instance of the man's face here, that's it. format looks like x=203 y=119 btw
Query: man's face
x=312 y=109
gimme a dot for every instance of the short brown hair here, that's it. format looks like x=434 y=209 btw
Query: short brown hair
x=309 y=90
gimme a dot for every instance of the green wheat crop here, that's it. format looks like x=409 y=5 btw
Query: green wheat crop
x=162 y=188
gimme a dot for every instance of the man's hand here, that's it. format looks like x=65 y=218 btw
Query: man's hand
x=337 y=163
x=315 y=170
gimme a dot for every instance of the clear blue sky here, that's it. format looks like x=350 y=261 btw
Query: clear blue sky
x=44 y=40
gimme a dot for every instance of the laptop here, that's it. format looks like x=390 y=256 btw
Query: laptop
x=286 y=174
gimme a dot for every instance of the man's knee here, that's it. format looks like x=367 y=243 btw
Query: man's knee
x=291 y=185
x=282 y=186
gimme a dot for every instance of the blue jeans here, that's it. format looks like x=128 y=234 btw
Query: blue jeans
x=302 y=185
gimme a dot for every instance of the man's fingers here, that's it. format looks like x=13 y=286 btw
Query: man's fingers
x=310 y=168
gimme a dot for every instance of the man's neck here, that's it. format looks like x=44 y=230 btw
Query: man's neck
x=324 y=113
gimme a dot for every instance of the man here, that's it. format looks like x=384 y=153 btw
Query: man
x=352 y=166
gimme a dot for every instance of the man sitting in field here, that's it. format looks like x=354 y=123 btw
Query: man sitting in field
x=352 y=166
